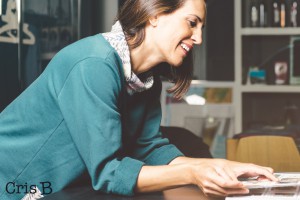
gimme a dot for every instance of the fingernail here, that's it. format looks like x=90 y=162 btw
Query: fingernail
x=246 y=191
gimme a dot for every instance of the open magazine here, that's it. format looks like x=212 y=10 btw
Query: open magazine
x=288 y=187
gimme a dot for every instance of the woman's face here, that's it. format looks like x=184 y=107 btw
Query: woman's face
x=175 y=34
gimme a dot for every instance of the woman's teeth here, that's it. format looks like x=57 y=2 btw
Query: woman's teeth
x=185 y=47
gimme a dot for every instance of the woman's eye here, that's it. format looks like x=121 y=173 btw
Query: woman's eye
x=192 y=23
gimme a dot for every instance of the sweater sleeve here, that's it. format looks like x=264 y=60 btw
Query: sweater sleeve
x=89 y=104
x=151 y=148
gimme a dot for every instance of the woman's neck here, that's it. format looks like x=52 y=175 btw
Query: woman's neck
x=144 y=57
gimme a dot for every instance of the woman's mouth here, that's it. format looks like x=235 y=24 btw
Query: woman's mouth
x=186 y=48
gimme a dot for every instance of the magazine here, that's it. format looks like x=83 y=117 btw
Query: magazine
x=288 y=187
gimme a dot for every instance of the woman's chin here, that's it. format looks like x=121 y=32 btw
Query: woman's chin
x=177 y=63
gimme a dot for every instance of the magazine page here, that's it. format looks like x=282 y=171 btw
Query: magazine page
x=287 y=187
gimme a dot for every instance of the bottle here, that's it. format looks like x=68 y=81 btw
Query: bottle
x=282 y=14
x=276 y=14
x=254 y=15
x=262 y=14
x=294 y=14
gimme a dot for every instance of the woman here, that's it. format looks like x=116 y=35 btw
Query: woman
x=96 y=109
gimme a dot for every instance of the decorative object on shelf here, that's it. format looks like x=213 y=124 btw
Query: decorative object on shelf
x=281 y=70
x=282 y=14
x=294 y=14
x=276 y=14
x=262 y=14
x=254 y=14
x=256 y=75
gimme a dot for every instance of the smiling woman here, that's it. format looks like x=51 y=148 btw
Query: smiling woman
x=96 y=109
x=149 y=27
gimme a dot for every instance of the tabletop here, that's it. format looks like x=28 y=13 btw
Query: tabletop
x=84 y=193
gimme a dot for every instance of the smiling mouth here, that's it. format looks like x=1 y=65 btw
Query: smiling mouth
x=186 y=48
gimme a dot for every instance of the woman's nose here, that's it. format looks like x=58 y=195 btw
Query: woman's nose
x=197 y=36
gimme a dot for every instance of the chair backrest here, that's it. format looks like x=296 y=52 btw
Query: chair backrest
x=278 y=152
x=188 y=143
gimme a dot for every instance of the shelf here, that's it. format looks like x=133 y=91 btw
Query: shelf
x=216 y=84
x=270 y=88
x=270 y=31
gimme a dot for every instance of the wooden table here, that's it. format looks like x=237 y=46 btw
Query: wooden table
x=87 y=193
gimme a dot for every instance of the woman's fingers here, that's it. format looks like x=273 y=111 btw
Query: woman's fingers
x=269 y=169
x=255 y=170
x=226 y=173
x=226 y=183
x=218 y=186
x=219 y=177
x=267 y=174
x=221 y=185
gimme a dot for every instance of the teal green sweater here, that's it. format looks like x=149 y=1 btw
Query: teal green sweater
x=77 y=117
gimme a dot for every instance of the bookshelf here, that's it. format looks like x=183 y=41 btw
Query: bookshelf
x=253 y=46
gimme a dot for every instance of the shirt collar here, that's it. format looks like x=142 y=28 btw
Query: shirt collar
x=117 y=40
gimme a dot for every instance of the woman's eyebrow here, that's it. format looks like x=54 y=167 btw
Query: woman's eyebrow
x=199 y=18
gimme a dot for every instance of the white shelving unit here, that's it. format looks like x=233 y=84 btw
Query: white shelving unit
x=241 y=89
x=270 y=88
x=269 y=31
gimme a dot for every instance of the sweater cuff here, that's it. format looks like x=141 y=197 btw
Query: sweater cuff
x=126 y=176
x=163 y=155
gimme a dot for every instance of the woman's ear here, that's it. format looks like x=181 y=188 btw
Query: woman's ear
x=153 y=21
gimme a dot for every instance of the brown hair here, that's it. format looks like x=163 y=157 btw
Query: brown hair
x=134 y=16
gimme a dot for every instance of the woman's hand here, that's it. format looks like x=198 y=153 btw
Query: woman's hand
x=219 y=177
x=216 y=177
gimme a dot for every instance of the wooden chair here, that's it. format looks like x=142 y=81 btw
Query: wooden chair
x=278 y=152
